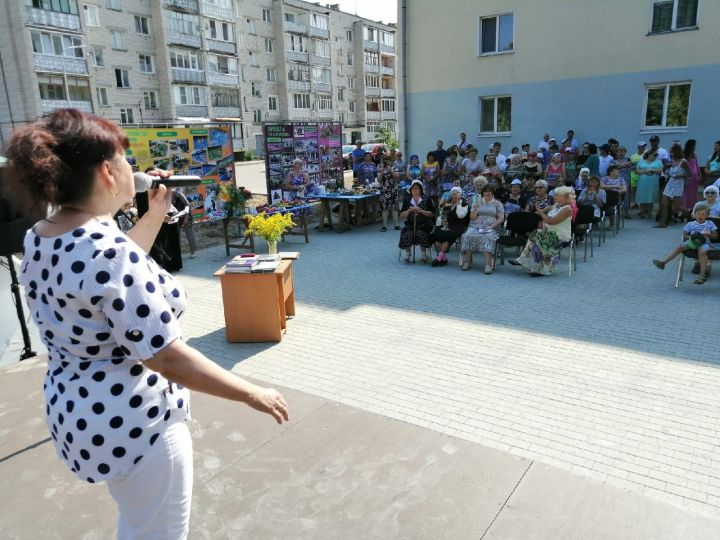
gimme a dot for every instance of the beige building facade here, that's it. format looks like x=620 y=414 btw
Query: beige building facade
x=156 y=62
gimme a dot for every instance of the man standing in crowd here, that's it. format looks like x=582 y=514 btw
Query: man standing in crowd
x=545 y=143
x=462 y=143
x=440 y=153
x=570 y=140
x=358 y=156
x=605 y=159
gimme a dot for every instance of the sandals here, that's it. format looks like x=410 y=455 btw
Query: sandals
x=488 y=269
x=659 y=264
x=466 y=266
x=514 y=262
x=383 y=229
x=702 y=278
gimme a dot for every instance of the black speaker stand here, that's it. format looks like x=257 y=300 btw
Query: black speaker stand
x=27 y=351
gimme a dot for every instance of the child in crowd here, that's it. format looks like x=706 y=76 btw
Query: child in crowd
x=697 y=235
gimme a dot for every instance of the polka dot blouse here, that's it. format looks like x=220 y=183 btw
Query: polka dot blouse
x=102 y=306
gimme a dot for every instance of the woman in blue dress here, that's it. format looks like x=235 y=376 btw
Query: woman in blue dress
x=648 y=187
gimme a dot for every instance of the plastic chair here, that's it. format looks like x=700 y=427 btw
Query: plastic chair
x=585 y=217
x=517 y=228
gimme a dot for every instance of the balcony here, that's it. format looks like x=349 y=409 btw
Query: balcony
x=226 y=112
x=295 y=28
x=220 y=46
x=188 y=75
x=387 y=92
x=218 y=12
x=370 y=68
x=188 y=6
x=223 y=79
x=385 y=70
x=324 y=114
x=388 y=115
x=60 y=64
x=371 y=45
x=294 y=56
x=372 y=115
x=323 y=87
x=188 y=40
x=196 y=111
x=49 y=105
x=300 y=114
x=372 y=91
x=387 y=49
x=319 y=60
x=318 y=32
x=303 y=86
x=42 y=17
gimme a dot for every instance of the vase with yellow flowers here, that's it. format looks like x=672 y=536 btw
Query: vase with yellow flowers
x=234 y=198
x=271 y=227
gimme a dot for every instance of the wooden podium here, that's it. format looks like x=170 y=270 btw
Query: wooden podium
x=256 y=305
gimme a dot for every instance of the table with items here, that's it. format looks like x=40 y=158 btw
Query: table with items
x=299 y=210
x=366 y=205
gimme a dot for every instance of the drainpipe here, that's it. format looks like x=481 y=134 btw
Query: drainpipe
x=406 y=126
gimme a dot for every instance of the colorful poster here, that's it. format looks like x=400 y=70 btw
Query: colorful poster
x=204 y=151
x=318 y=145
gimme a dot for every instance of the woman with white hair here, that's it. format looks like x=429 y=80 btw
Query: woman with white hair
x=454 y=216
x=712 y=194
x=296 y=181
x=542 y=250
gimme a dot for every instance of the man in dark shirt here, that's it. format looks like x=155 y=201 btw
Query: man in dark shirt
x=440 y=153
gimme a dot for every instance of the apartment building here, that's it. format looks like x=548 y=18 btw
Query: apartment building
x=242 y=62
x=510 y=70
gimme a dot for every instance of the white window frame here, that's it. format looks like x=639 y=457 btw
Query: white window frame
x=497 y=34
x=255 y=89
x=348 y=34
x=221 y=63
x=324 y=102
x=127 y=116
x=269 y=45
x=101 y=93
x=92 y=15
x=302 y=99
x=145 y=61
x=297 y=43
x=117 y=39
x=664 y=128
x=321 y=75
x=124 y=77
x=351 y=83
x=150 y=100
x=495 y=132
x=351 y=106
x=370 y=34
x=190 y=95
x=388 y=105
x=252 y=27
x=271 y=74
x=190 y=59
x=142 y=25
x=673 y=24
x=321 y=47
x=217 y=30
x=267 y=15
x=341 y=94
x=113 y=4
x=272 y=103
x=319 y=21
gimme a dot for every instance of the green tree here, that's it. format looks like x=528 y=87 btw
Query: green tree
x=385 y=136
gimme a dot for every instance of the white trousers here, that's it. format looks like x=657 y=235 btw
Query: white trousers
x=154 y=497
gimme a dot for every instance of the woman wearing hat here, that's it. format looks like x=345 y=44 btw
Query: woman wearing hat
x=388 y=179
x=455 y=218
x=414 y=170
x=296 y=181
x=514 y=200
x=417 y=211
x=486 y=216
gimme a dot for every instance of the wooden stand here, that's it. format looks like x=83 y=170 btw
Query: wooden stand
x=248 y=242
x=256 y=305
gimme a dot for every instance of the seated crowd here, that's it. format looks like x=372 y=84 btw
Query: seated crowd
x=457 y=196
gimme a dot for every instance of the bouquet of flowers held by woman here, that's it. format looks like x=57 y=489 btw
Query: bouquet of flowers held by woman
x=271 y=228
x=234 y=198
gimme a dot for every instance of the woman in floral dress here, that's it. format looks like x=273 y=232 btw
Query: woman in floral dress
x=388 y=180
x=486 y=215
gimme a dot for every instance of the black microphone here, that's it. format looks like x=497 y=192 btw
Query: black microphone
x=144 y=181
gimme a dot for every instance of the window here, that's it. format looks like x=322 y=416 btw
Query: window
x=271 y=74
x=150 y=100
x=298 y=72
x=266 y=15
x=102 y=97
x=252 y=28
x=113 y=4
x=348 y=34
x=290 y=17
x=141 y=26
x=324 y=102
x=221 y=31
x=351 y=83
x=370 y=34
x=222 y=64
x=189 y=95
x=667 y=105
x=372 y=127
x=185 y=60
x=56 y=44
x=67 y=6
x=92 y=15
x=350 y=59
x=296 y=43
x=122 y=78
x=372 y=81
x=319 y=21
x=321 y=48
x=225 y=97
x=669 y=15
x=97 y=56
x=496 y=34
x=495 y=114
x=351 y=104
x=321 y=75
x=341 y=94
x=183 y=23
x=372 y=105
x=146 y=63
x=255 y=89
x=268 y=45
x=118 y=40
x=387 y=38
x=254 y=61
x=257 y=116
x=372 y=58
x=126 y=116
x=388 y=105
x=301 y=101
x=51 y=88
x=272 y=103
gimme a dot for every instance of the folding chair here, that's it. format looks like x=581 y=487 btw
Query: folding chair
x=585 y=218
x=517 y=228
x=610 y=209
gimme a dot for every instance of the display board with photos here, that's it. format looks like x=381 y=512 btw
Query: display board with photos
x=317 y=144
x=205 y=151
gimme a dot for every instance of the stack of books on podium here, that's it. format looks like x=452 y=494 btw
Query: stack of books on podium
x=242 y=264
x=267 y=262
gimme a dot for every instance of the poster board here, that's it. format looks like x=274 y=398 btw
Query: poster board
x=204 y=151
x=317 y=144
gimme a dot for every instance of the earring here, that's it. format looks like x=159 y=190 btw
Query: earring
x=115 y=194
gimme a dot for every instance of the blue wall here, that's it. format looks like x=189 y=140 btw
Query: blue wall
x=596 y=108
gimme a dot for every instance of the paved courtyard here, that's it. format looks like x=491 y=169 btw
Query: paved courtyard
x=611 y=373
